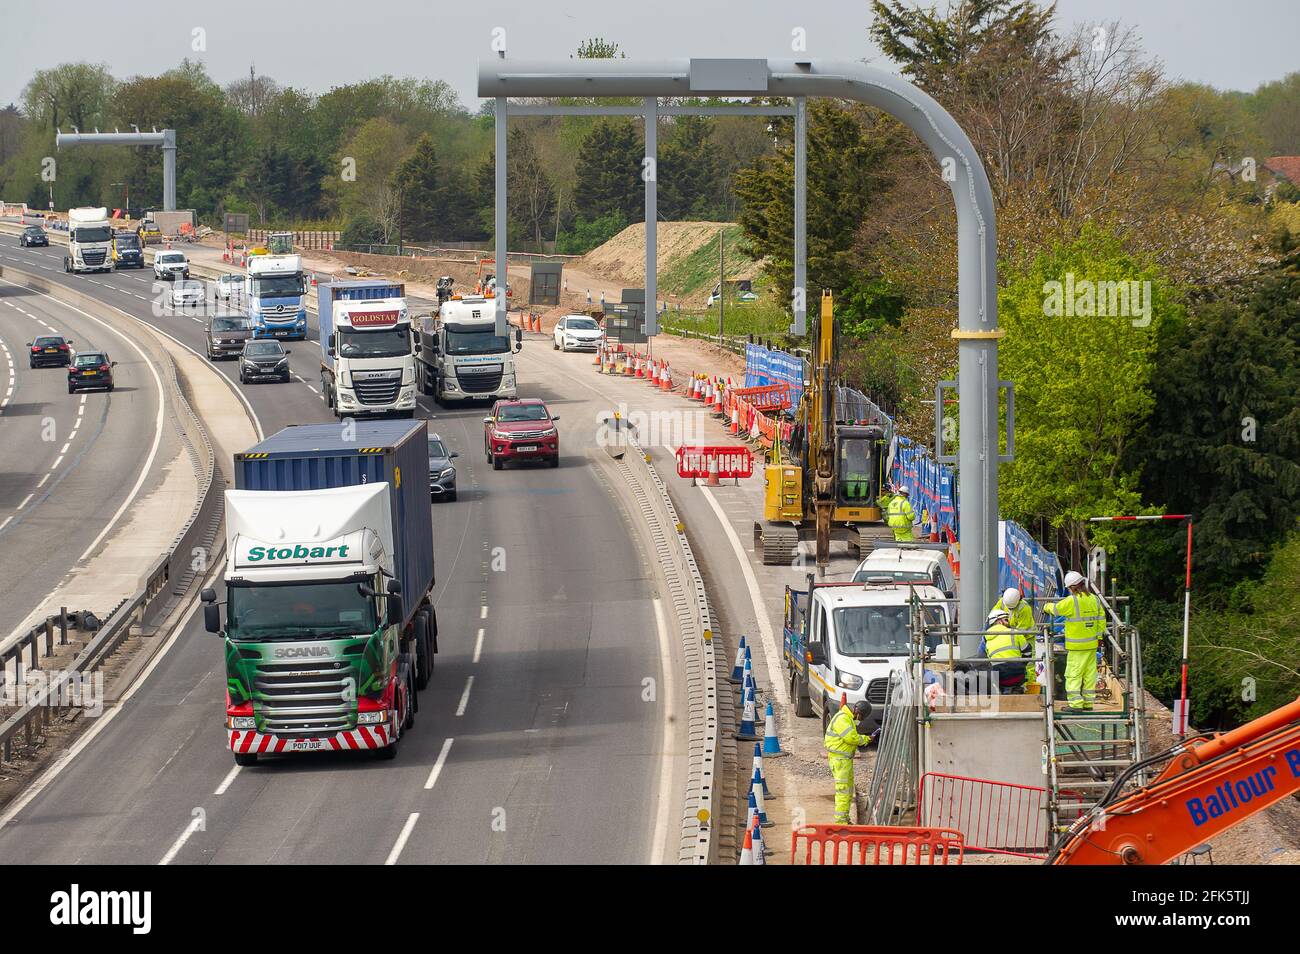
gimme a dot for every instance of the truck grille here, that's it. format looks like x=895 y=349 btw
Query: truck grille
x=304 y=698
x=377 y=390
x=479 y=383
x=93 y=258
x=878 y=691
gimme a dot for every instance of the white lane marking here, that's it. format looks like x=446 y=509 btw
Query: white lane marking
x=57 y=461
x=401 y=839
x=225 y=783
x=43 y=480
x=24 y=503
x=6 y=523
x=659 y=843
x=771 y=652
x=110 y=713
x=312 y=389
x=482 y=613
x=478 y=645
x=464 y=697
x=195 y=824
x=158 y=421
x=65 y=447
x=438 y=764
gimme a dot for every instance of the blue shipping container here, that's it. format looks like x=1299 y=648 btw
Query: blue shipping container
x=360 y=289
x=316 y=457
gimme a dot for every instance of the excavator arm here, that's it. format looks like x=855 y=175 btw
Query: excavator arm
x=1211 y=785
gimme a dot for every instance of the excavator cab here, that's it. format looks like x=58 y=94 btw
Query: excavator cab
x=857 y=466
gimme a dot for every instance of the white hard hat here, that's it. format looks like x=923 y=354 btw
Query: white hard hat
x=997 y=614
x=905 y=490
x=1073 y=579
x=1011 y=597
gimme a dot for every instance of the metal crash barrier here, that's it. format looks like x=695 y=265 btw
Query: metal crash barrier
x=874 y=845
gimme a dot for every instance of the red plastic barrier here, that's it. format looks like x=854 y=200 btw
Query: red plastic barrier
x=767 y=397
x=999 y=817
x=875 y=845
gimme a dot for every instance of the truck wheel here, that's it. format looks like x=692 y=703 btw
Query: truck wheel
x=245 y=758
x=387 y=753
x=423 y=650
x=802 y=704
x=496 y=463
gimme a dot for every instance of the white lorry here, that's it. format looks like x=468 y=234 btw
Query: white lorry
x=461 y=356
x=847 y=640
x=275 y=295
x=367 y=350
x=90 y=241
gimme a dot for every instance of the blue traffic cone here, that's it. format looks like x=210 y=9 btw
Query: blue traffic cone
x=738 y=668
x=756 y=795
x=771 y=744
x=746 y=733
x=758 y=769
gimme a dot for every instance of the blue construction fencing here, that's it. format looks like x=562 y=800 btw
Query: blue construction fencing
x=768 y=366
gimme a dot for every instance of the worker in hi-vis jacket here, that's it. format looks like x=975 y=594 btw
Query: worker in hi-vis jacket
x=844 y=737
x=899 y=515
x=1085 y=621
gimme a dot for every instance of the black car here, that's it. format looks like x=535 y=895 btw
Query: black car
x=127 y=251
x=49 y=351
x=442 y=473
x=264 y=360
x=90 y=369
x=33 y=235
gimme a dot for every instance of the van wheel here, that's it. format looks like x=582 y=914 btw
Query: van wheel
x=245 y=758
x=826 y=715
x=802 y=704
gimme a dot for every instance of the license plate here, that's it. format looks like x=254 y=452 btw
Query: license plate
x=280 y=334
x=305 y=745
x=526 y=447
x=51 y=350
x=87 y=373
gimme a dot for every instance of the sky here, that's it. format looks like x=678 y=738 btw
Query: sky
x=326 y=43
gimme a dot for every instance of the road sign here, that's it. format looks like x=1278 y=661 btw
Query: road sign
x=732 y=461
x=237 y=222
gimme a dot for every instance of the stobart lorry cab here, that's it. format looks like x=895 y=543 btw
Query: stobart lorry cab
x=274 y=291
x=329 y=631
x=462 y=357
x=367 y=349
x=848 y=639
x=90 y=241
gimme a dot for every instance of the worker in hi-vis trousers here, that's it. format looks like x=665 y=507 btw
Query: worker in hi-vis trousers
x=843 y=739
x=899 y=515
x=1085 y=621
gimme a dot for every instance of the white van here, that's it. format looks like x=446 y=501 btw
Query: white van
x=910 y=563
x=848 y=639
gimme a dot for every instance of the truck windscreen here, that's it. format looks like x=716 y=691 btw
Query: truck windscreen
x=280 y=286
x=878 y=630
x=298 y=611
x=476 y=342
x=92 y=234
x=385 y=343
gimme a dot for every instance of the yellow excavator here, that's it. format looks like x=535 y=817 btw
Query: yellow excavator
x=827 y=484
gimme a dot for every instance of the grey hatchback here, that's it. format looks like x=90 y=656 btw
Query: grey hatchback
x=226 y=336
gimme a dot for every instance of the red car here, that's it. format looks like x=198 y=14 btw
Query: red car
x=521 y=430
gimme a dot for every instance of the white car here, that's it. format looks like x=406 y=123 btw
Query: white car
x=910 y=563
x=187 y=294
x=578 y=333
x=170 y=266
x=230 y=286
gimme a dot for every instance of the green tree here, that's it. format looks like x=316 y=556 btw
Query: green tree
x=362 y=183
x=1083 y=383
x=422 y=193
x=845 y=181
x=608 y=173
x=687 y=171
x=70 y=95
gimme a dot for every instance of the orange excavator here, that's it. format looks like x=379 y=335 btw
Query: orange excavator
x=1213 y=783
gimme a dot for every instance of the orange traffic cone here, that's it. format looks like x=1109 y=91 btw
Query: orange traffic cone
x=712 y=480
x=666 y=380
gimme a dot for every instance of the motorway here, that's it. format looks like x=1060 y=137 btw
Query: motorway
x=69 y=461
x=533 y=743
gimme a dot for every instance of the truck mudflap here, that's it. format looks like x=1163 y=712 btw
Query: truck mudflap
x=251 y=742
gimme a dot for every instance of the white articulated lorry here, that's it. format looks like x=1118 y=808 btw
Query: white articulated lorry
x=462 y=357
x=367 y=349
x=90 y=241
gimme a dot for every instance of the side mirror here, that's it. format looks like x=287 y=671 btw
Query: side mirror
x=487 y=420
x=816 y=654
x=453 y=454
x=330 y=342
x=287 y=352
x=554 y=418
x=112 y=364
x=212 y=617
x=394 y=586
x=519 y=336
x=208 y=595
x=330 y=352
x=395 y=614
